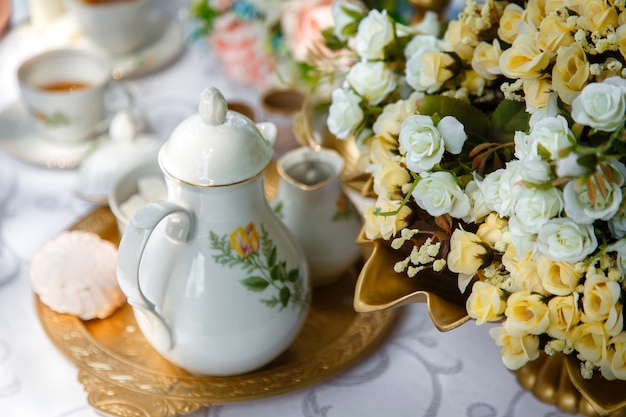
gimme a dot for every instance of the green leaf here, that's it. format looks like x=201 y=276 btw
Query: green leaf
x=256 y=284
x=509 y=117
x=284 y=295
x=476 y=123
x=278 y=272
x=271 y=260
x=293 y=275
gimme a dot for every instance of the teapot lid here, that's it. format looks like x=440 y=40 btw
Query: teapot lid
x=217 y=146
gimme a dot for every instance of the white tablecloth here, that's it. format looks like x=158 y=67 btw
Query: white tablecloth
x=416 y=371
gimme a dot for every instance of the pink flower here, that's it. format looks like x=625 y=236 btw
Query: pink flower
x=302 y=24
x=240 y=47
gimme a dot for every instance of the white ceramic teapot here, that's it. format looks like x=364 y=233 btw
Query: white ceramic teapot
x=217 y=283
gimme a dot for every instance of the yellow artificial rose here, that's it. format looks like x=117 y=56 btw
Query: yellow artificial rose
x=564 y=316
x=492 y=228
x=376 y=151
x=591 y=340
x=574 y=5
x=553 y=33
x=485 y=60
x=537 y=91
x=460 y=38
x=617 y=357
x=535 y=12
x=437 y=68
x=523 y=272
x=524 y=59
x=389 y=121
x=389 y=179
x=621 y=38
x=508 y=28
x=485 y=303
x=516 y=351
x=526 y=313
x=558 y=278
x=467 y=255
x=601 y=302
x=473 y=82
x=571 y=72
x=597 y=16
x=382 y=226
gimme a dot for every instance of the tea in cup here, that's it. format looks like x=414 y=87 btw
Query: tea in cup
x=118 y=26
x=68 y=93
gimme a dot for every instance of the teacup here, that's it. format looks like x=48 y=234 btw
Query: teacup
x=68 y=93
x=118 y=26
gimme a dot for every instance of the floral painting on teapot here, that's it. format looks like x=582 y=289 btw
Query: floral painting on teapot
x=256 y=254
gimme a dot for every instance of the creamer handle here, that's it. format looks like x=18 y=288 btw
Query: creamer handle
x=129 y=256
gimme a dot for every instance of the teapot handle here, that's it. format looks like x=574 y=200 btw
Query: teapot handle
x=130 y=253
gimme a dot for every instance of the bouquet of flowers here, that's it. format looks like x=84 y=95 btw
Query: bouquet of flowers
x=502 y=131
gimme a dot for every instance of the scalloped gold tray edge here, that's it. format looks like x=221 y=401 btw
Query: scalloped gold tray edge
x=118 y=385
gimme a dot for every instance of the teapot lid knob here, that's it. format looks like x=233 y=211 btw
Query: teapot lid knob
x=213 y=106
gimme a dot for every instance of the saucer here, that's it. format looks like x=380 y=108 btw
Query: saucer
x=161 y=48
x=22 y=138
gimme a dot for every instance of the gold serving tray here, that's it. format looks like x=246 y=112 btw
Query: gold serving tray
x=124 y=376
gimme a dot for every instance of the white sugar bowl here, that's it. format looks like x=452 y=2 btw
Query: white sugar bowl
x=217 y=283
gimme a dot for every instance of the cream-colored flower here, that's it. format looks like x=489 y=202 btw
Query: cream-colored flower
x=601 y=302
x=439 y=193
x=381 y=225
x=345 y=113
x=597 y=16
x=473 y=82
x=591 y=340
x=491 y=229
x=460 y=38
x=373 y=81
x=571 y=72
x=467 y=255
x=516 y=351
x=523 y=271
x=374 y=33
x=537 y=92
x=617 y=357
x=389 y=121
x=558 y=278
x=524 y=59
x=554 y=33
x=389 y=179
x=508 y=28
x=564 y=316
x=436 y=68
x=486 y=59
x=485 y=303
x=526 y=313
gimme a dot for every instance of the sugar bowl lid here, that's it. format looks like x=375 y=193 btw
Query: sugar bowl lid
x=217 y=146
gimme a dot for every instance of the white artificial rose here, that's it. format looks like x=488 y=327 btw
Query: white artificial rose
x=526 y=313
x=429 y=24
x=420 y=43
x=453 y=133
x=415 y=66
x=478 y=208
x=523 y=146
x=535 y=170
x=562 y=239
x=343 y=12
x=581 y=209
x=601 y=105
x=374 y=33
x=439 y=193
x=551 y=135
x=568 y=166
x=422 y=142
x=534 y=206
x=372 y=80
x=498 y=188
x=524 y=241
x=516 y=351
x=345 y=113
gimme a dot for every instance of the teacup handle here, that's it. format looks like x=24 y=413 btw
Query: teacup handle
x=130 y=253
